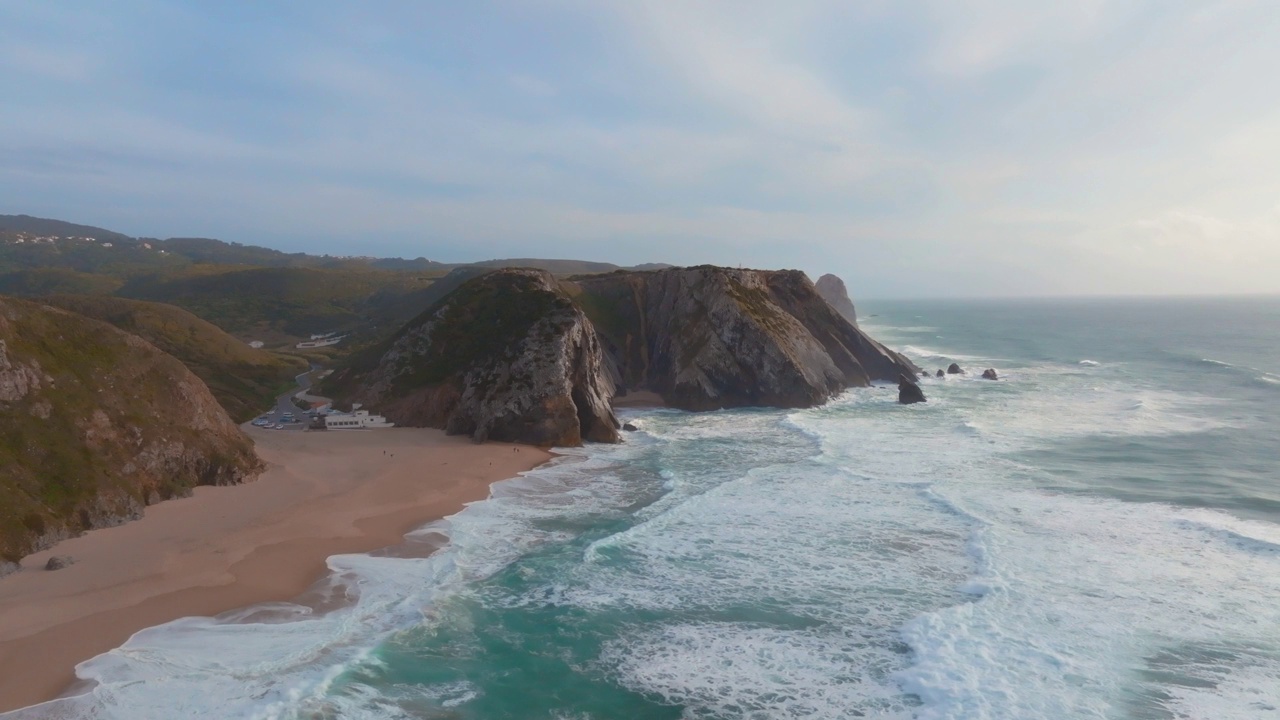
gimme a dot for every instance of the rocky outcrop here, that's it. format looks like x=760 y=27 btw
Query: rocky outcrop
x=832 y=289
x=990 y=374
x=95 y=424
x=940 y=373
x=506 y=356
x=709 y=337
x=516 y=355
x=909 y=392
x=954 y=369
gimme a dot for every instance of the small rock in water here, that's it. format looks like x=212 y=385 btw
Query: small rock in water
x=630 y=427
x=954 y=369
x=908 y=391
x=940 y=373
x=990 y=374
x=58 y=562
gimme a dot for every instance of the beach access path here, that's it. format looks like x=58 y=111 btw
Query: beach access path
x=323 y=493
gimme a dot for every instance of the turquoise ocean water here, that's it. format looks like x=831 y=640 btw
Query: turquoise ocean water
x=1096 y=535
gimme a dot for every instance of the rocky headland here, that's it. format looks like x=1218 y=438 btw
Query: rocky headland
x=517 y=355
x=832 y=289
x=506 y=356
x=95 y=424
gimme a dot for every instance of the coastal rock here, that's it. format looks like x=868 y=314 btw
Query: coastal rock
x=57 y=562
x=954 y=369
x=630 y=427
x=990 y=374
x=96 y=422
x=709 y=337
x=832 y=289
x=909 y=392
x=517 y=355
x=940 y=373
x=506 y=356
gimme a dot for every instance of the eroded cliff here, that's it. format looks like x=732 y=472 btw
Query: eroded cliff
x=711 y=337
x=832 y=289
x=95 y=424
x=516 y=355
x=506 y=356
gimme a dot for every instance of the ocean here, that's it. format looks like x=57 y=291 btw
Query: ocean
x=1095 y=535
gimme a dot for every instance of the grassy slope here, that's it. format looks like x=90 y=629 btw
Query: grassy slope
x=51 y=281
x=70 y=448
x=244 y=380
x=295 y=301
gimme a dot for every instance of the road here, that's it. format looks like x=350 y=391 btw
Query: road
x=284 y=404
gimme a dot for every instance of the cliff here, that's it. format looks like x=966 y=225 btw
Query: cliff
x=710 y=337
x=95 y=424
x=832 y=289
x=245 y=381
x=516 y=355
x=506 y=356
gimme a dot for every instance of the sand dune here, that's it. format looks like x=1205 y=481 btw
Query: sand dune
x=226 y=547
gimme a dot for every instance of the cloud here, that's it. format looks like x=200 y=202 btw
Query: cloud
x=922 y=147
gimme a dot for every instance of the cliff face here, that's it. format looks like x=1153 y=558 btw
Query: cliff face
x=507 y=356
x=709 y=337
x=515 y=355
x=95 y=424
x=832 y=289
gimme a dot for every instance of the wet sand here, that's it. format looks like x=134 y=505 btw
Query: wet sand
x=324 y=493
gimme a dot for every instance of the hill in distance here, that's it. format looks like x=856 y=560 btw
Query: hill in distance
x=207 y=250
x=255 y=293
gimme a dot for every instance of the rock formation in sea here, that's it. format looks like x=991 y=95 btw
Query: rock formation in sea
x=710 y=337
x=954 y=369
x=95 y=424
x=832 y=289
x=517 y=355
x=940 y=373
x=909 y=392
x=506 y=356
x=990 y=374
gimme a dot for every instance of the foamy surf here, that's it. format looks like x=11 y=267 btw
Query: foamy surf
x=1030 y=549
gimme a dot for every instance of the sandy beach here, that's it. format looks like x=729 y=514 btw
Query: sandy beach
x=227 y=547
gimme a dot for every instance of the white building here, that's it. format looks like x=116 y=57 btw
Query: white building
x=360 y=419
x=320 y=343
x=255 y=344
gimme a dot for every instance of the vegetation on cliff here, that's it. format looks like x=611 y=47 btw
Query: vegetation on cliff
x=96 y=423
x=244 y=380
x=292 y=301
x=505 y=356
x=711 y=337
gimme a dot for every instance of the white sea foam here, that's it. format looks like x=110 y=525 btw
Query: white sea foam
x=286 y=668
x=859 y=557
x=1077 y=599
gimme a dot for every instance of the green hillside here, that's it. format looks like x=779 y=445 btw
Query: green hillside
x=52 y=281
x=244 y=380
x=291 y=301
x=95 y=424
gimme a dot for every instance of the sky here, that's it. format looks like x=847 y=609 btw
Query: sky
x=917 y=148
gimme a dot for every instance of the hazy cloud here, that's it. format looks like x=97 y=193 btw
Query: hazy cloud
x=917 y=148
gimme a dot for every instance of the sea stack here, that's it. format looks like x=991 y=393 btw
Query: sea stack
x=954 y=369
x=832 y=289
x=990 y=374
x=909 y=392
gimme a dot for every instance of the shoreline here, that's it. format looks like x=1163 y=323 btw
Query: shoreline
x=223 y=548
